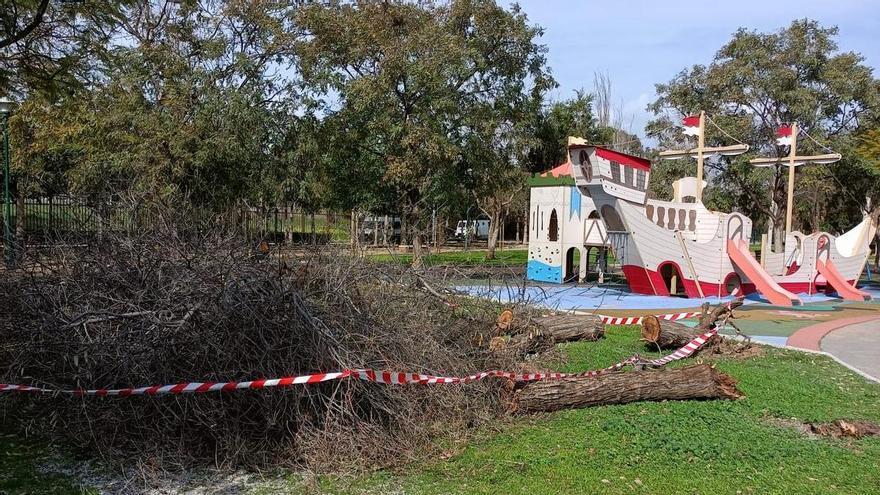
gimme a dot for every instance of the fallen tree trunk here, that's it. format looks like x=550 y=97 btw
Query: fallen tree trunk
x=693 y=382
x=664 y=334
x=569 y=328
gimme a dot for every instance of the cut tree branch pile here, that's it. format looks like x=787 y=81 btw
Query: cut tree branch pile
x=179 y=304
x=693 y=382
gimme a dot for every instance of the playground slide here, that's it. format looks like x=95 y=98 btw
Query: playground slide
x=743 y=259
x=836 y=280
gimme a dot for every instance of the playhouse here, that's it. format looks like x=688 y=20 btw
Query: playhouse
x=564 y=227
x=598 y=198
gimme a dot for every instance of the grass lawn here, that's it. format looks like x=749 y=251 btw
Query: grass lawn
x=672 y=447
x=18 y=473
x=518 y=257
x=472 y=257
x=658 y=448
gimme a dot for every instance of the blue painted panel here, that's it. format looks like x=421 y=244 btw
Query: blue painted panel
x=574 y=206
x=543 y=272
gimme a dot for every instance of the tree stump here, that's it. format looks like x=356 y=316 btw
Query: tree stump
x=700 y=381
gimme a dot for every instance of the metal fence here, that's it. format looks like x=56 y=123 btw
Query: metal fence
x=70 y=219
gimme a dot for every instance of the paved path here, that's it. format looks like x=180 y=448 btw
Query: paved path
x=857 y=344
x=811 y=337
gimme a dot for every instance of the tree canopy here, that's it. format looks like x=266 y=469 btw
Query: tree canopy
x=758 y=82
x=396 y=107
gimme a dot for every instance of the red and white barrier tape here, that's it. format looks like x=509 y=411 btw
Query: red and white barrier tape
x=383 y=377
x=636 y=320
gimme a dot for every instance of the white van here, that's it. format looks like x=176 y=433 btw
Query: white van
x=479 y=229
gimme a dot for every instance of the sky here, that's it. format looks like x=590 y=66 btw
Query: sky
x=639 y=43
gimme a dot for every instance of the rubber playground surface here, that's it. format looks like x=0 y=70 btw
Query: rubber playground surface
x=757 y=318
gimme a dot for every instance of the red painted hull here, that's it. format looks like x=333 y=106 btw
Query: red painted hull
x=650 y=282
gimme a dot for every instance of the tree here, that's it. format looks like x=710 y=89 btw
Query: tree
x=755 y=83
x=611 y=128
x=50 y=46
x=406 y=75
x=494 y=175
x=553 y=125
x=189 y=104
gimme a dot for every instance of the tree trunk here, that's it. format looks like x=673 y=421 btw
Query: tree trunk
x=670 y=335
x=418 y=258
x=693 y=382
x=353 y=231
x=778 y=199
x=877 y=253
x=568 y=328
x=404 y=230
x=20 y=218
x=664 y=334
x=492 y=241
x=440 y=236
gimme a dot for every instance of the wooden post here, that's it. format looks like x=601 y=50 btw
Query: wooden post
x=701 y=142
x=763 y=249
x=791 y=154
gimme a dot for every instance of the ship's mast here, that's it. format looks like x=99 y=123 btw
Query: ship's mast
x=789 y=201
x=793 y=161
x=701 y=143
x=701 y=151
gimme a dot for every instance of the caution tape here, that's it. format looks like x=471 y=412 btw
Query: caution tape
x=383 y=377
x=636 y=320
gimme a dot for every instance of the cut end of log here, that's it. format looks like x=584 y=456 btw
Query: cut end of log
x=650 y=328
x=502 y=323
x=726 y=385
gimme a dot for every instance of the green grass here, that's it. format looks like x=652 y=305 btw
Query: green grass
x=651 y=448
x=472 y=257
x=515 y=257
x=672 y=447
x=18 y=473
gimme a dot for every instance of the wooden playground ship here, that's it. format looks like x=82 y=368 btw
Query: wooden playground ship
x=681 y=247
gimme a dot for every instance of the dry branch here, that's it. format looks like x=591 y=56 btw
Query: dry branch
x=693 y=382
x=183 y=304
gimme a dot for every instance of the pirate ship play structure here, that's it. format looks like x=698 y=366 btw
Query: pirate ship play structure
x=679 y=246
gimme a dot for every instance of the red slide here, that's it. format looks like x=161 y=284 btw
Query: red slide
x=743 y=259
x=836 y=280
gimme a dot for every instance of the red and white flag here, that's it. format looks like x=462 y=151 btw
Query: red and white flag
x=783 y=136
x=692 y=125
